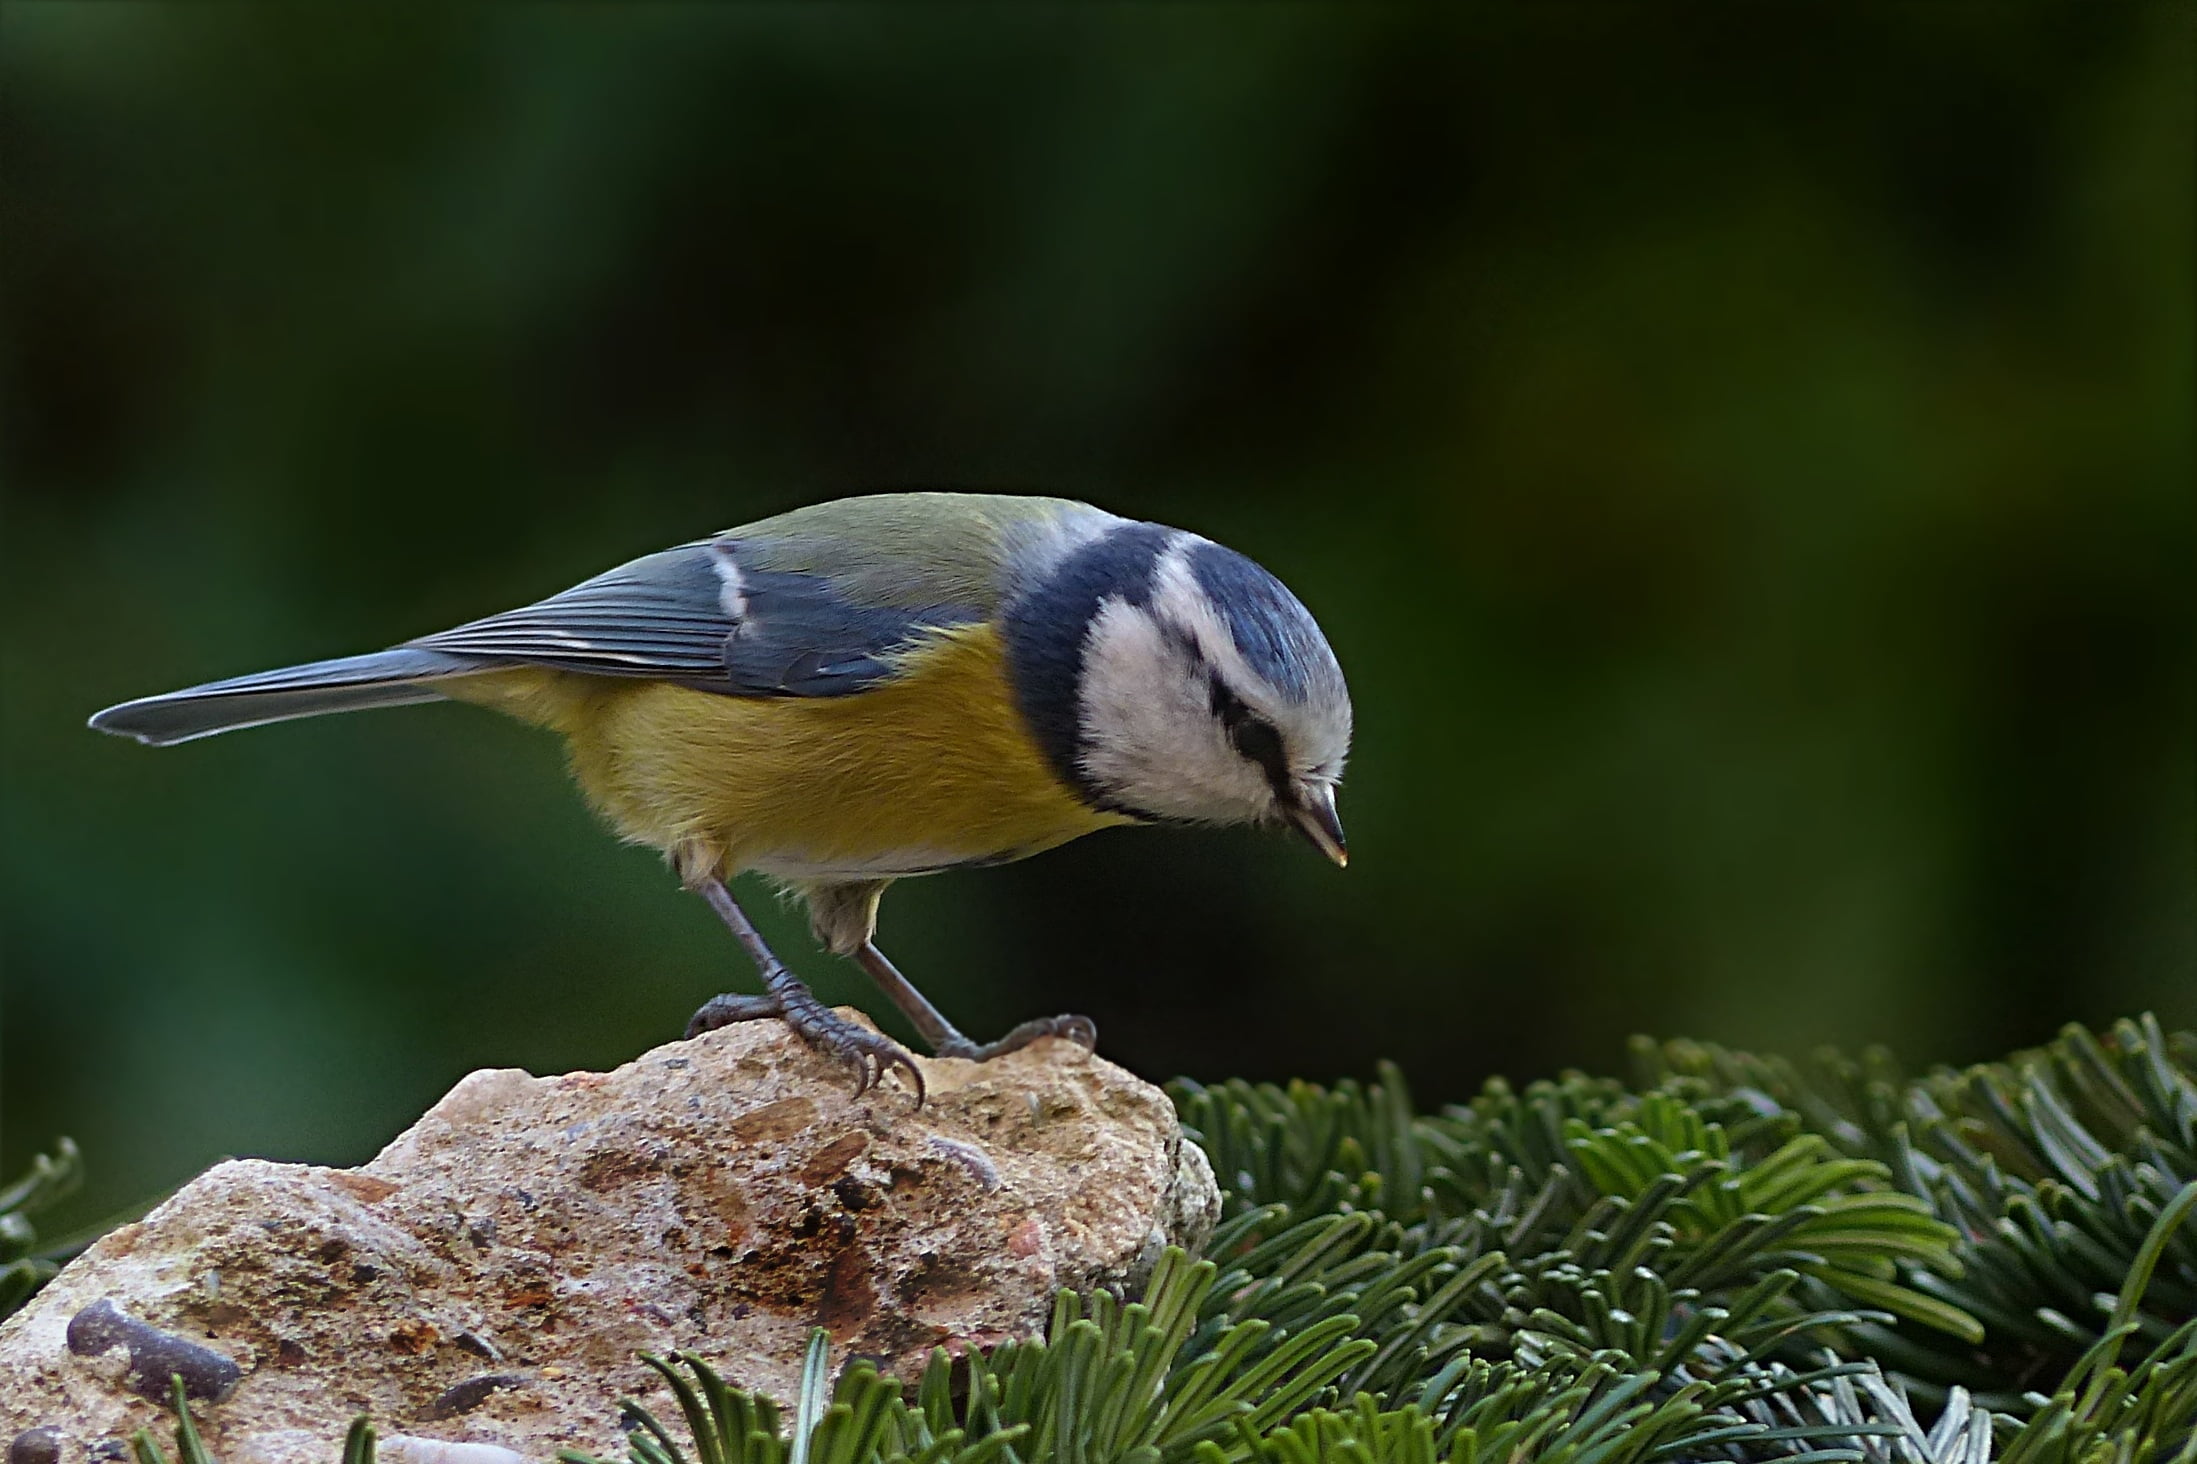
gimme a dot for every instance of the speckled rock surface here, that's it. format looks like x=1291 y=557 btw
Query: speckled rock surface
x=489 y=1277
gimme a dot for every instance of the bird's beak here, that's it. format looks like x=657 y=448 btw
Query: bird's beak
x=1315 y=818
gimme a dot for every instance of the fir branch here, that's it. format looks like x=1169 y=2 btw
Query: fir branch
x=2055 y=1166
x=1976 y=1233
x=24 y=1264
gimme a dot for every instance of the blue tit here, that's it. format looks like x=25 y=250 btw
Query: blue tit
x=877 y=687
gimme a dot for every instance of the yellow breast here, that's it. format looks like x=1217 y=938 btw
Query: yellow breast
x=930 y=769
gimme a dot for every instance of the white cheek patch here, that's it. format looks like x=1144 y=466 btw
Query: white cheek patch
x=1149 y=733
x=1151 y=728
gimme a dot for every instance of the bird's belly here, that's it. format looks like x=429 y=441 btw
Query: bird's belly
x=798 y=867
x=931 y=770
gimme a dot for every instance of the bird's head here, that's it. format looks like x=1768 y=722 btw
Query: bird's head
x=1173 y=679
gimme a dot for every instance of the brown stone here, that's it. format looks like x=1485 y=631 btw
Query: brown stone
x=490 y=1277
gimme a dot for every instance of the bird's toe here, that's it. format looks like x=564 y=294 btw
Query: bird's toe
x=1080 y=1030
x=729 y=1007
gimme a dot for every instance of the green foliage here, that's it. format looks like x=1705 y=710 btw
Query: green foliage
x=24 y=1267
x=1836 y=1235
x=2055 y=1166
x=1219 y=1367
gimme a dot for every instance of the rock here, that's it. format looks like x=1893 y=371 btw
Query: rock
x=404 y=1449
x=490 y=1277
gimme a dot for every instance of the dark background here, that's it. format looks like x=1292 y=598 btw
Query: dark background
x=1742 y=456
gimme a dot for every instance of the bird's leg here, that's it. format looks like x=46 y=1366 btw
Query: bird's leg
x=944 y=1037
x=785 y=997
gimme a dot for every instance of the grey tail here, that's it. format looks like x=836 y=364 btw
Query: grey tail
x=385 y=679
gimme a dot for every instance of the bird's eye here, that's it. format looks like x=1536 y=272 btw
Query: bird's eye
x=1253 y=737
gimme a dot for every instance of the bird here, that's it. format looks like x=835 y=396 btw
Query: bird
x=872 y=688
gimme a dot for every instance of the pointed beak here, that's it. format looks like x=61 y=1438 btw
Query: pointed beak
x=1314 y=815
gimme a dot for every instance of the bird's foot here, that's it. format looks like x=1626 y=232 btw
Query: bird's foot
x=1080 y=1030
x=869 y=1054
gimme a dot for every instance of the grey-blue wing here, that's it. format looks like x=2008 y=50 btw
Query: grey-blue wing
x=798 y=635
x=707 y=615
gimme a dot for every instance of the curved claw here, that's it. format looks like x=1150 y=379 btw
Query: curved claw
x=869 y=1054
x=875 y=1065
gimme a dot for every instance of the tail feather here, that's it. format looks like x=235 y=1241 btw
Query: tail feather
x=383 y=679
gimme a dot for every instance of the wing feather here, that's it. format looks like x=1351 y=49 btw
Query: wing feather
x=705 y=616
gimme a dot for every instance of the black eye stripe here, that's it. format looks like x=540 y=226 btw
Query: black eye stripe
x=1259 y=741
x=1252 y=736
x=1227 y=705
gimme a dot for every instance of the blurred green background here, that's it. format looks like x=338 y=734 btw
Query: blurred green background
x=1742 y=456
